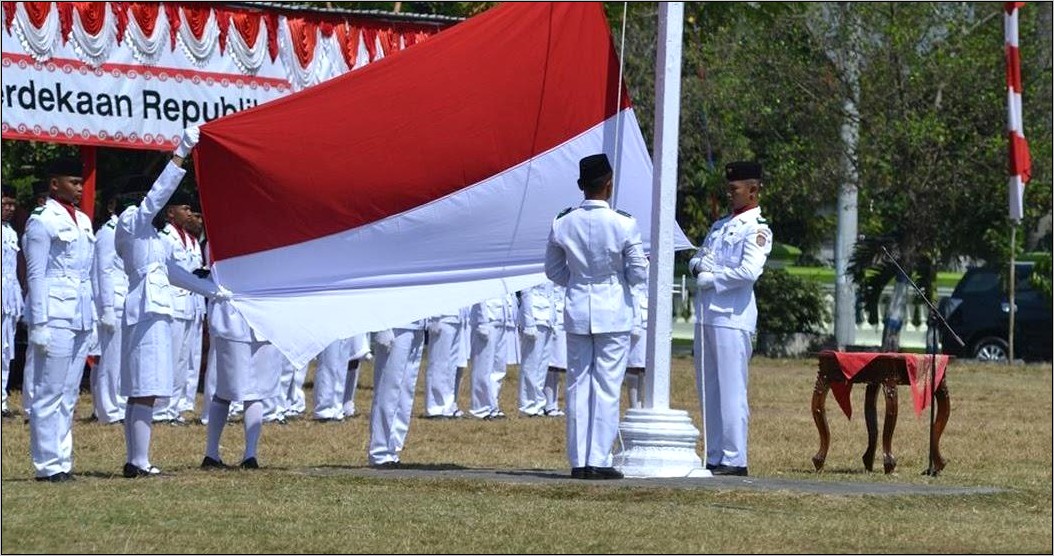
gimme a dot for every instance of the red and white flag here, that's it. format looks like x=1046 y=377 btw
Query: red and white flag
x=421 y=183
x=1020 y=163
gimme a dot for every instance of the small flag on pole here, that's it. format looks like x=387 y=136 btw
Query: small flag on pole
x=1020 y=163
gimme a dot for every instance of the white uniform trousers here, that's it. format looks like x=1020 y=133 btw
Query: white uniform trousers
x=721 y=380
x=107 y=401
x=391 y=370
x=168 y=408
x=56 y=383
x=401 y=425
x=596 y=365
x=533 y=370
x=440 y=398
x=188 y=401
x=330 y=375
x=489 y=359
x=292 y=387
x=147 y=357
x=7 y=331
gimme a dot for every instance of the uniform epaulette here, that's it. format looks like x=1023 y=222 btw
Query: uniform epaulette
x=565 y=212
x=38 y=210
x=624 y=213
x=165 y=231
x=762 y=220
x=112 y=225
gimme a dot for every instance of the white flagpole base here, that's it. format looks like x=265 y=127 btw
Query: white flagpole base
x=659 y=443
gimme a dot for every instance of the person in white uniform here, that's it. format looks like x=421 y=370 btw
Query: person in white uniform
x=444 y=339
x=111 y=287
x=59 y=247
x=331 y=373
x=41 y=193
x=596 y=253
x=186 y=314
x=247 y=370
x=194 y=228
x=12 y=288
x=489 y=320
x=398 y=353
x=557 y=356
x=726 y=266
x=148 y=355
x=537 y=319
x=638 y=346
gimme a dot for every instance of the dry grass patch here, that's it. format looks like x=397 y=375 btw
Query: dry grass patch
x=999 y=435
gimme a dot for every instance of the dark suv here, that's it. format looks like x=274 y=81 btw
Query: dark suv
x=979 y=312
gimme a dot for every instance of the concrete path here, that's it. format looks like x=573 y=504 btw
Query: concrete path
x=550 y=477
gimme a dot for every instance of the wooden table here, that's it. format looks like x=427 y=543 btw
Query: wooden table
x=886 y=370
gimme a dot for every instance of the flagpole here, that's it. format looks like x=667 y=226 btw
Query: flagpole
x=659 y=441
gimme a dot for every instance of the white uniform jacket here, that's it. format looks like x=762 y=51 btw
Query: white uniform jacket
x=185 y=305
x=12 y=290
x=740 y=244
x=496 y=311
x=596 y=253
x=110 y=281
x=537 y=307
x=147 y=257
x=59 y=253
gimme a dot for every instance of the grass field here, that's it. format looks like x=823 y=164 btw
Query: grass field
x=999 y=435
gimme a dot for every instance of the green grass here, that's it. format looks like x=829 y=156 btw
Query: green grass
x=305 y=500
x=826 y=275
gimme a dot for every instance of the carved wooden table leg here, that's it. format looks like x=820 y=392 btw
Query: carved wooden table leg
x=944 y=409
x=819 y=416
x=871 y=422
x=889 y=388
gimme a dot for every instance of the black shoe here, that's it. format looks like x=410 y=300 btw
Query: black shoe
x=580 y=472
x=179 y=422
x=386 y=465
x=250 y=463
x=211 y=463
x=729 y=470
x=710 y=466
x=60 y=477
x=603 y=473
x=132 y=472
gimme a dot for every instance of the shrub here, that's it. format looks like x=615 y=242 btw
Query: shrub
x=788 y=304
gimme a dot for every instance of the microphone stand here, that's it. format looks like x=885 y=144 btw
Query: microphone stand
x=936 y=316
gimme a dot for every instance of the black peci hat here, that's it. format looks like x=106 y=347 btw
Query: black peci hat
x=66 y=166
x=180 y=198
x=742 y=170
x=592 y=168
x=41 y=187
x=9 y=191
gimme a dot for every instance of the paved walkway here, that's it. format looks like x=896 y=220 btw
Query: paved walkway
x=550 y=477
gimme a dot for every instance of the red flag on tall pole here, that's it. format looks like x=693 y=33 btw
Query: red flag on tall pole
x=1020 y=163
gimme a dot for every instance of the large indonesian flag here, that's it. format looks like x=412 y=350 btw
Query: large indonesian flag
x=1020 y=163
x=421 y=183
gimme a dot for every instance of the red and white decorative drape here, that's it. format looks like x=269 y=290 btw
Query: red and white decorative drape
x=311 y=48
x=1020 y=163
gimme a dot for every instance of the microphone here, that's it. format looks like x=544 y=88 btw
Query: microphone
x=881 y=238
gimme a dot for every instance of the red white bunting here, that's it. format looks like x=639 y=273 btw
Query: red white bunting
x=1020 y=162
x=320 y=47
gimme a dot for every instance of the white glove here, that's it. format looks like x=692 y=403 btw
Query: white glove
x=222 y=295
x=705 y=280
x=187 y=143
x=701 y=264
x=530 y=331
x=434 y=328
x=482 y=332
x=368 y=356
x=384 y=338
x=40 y=337
x=636 y=332
x=108 y=320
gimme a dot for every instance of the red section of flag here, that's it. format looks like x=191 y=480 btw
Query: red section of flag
x=1020 y=160
x=1009 y=7
x=465 y=105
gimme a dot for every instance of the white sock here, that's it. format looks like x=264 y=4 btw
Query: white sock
x=253 y=427
x=217 y=420
x=141 y=422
